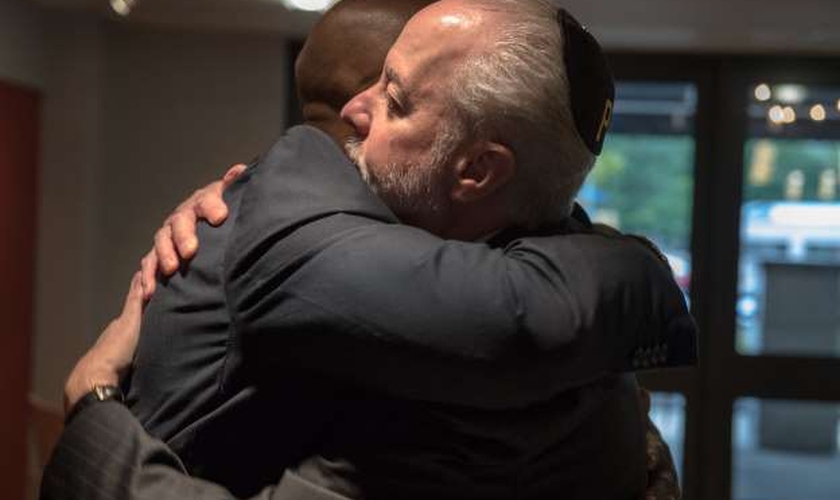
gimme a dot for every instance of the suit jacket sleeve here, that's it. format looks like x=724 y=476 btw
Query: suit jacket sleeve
x=104 y=454
x=320 y=268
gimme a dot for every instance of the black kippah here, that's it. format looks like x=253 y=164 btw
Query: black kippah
x=591 y=87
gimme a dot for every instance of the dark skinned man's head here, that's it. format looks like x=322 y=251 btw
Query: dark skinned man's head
x=343 y=55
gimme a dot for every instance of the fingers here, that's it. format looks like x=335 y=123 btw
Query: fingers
x=133 y=306
x=177 y=241
x=148 y=270
x=167 y=256
x=232 y=174
x=210 y=205
x=182 y=227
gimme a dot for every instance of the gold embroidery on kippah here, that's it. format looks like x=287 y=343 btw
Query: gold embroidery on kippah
x=605 y=120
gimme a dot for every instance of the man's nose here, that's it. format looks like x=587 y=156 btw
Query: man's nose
x=357 y=113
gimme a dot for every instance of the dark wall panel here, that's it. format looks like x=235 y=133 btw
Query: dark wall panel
x=18 y=169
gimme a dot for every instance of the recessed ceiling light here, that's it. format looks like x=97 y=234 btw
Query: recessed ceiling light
x=762 y=92
x=122 y=7
x=818 y=112
x=789 y=115
x=309 y=5
x=776 y=115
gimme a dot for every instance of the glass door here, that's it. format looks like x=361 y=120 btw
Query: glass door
x=788 y=294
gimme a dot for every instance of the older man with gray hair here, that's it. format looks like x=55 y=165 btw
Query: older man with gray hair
x=495 y=113
x=533 y=406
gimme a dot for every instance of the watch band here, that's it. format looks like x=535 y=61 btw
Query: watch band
x=99 y=394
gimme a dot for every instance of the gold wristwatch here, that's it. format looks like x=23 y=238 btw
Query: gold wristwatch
x=99 y=394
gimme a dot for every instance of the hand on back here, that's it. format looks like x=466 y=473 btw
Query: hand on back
x=176 y=242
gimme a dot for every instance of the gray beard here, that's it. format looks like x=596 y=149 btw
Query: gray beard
x=413 y=191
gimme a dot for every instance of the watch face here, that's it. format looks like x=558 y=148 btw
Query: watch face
x=107 y=392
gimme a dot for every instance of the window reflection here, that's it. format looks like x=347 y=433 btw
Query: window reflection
x=644 y=179
x=789 y=273
x=785 y=449
x=667 y=411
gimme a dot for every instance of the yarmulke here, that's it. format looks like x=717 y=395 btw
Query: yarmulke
x=591 y=86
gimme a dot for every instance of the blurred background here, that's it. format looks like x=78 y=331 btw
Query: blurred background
x=724 y=150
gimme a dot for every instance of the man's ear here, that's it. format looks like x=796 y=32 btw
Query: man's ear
x=481 y=172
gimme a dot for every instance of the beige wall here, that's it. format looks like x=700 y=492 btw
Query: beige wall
x=179 y=109
x=71 y=143
x=132 y=121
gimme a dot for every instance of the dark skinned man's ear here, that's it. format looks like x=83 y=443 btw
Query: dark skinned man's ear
x=483 y=171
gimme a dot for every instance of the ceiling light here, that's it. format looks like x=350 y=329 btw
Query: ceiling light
x=790 y=94
x=122 y=7
x=762 y=92
x=776 y=115
x=309 y=5
x=818 y=112
x=789 y=115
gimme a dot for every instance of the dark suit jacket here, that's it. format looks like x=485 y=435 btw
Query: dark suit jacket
x=362 y=334
x=105 y=454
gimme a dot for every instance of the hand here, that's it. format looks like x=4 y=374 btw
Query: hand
x=111 y=356
x=661 y=474
x=176 y=240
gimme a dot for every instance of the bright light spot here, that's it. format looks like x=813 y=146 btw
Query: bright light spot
x=122 y=7
x=838 y=104
x=451 y=20
x=679 y=265
x=794 y=185
x=790 y=94
x=802 y=215
x=308 y=5
x=762 y=92
x=818 y=112
x=776 y=115
x=788 y=115
x=747 y=306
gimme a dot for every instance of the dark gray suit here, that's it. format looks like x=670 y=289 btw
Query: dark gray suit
x=312 y=329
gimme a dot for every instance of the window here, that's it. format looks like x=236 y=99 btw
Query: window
x=746 y=205
x=644 y=178
x=785 y=449
x=789 y=273
x=667 y=412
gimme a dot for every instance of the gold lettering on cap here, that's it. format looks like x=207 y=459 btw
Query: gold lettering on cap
x=605 y=120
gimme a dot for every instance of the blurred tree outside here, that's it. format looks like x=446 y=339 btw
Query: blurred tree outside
x=644 y=184
x=773 y=164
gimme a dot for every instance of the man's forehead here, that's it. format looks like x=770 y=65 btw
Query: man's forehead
x=437 y=38
x=447 y=18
